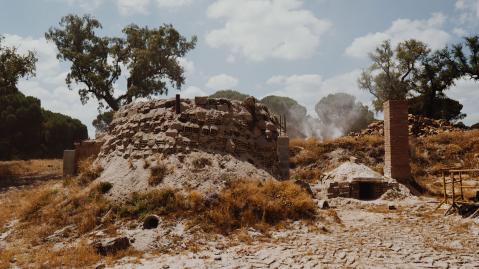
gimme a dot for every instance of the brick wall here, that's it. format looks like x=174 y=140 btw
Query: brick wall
x=396 y=141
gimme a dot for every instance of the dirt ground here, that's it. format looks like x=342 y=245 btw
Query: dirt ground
x=368 y=235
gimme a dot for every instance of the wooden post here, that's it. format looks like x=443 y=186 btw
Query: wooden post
x=444 y=185
x=178 y=104
x=453 y=191
x=460 y=182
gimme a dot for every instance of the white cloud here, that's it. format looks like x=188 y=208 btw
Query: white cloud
x=222 y=82
x=173 y=3
x=49 y=84
x=192 y=91
x=88 y=5
x=261 y=29
x=188 y=66
x=465 y=92
x=469 y=10
x=428 y=31
x=130 y=7
x=308 y=89
x=127 y=7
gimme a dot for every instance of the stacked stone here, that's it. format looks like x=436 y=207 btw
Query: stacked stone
x=244 y=129
x=418 y=126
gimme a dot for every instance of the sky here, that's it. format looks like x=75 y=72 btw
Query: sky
x=304 y=49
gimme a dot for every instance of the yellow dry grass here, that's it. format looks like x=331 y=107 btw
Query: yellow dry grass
x=429 y=155
x=31 y=167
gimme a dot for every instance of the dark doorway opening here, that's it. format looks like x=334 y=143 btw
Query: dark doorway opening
x=367 y=191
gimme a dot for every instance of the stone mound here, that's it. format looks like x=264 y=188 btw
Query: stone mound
x=348 y=171
x=418 y=126
x=209 y=142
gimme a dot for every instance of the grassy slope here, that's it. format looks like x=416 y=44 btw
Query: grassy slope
x=311 y=157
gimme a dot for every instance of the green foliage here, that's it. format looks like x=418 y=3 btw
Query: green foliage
x=150 y=55
x=443 y=108
x=13 y=67
x=160 y=202
x=344 y=112
x=468 y=65
x=296 y=114
x=20 y=126
x=60 y=132
x=105 y=187
x=390 y=76
x=27 y=131
x=102 y=121
x=229 y=94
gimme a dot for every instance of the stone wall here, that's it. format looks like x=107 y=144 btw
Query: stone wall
x=396 y=141
x=245 y=130
x=360 y=188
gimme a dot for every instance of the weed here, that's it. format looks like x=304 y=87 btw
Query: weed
x=201 y=162
x=157 y=173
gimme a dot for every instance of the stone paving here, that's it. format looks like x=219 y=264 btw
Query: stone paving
x=410 y=237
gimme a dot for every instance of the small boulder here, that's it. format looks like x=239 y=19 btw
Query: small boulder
x=111 y=247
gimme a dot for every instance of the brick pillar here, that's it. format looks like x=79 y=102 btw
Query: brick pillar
x=396 y=141
x=283 y=156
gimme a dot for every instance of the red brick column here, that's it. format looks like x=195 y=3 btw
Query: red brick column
x=396 y=141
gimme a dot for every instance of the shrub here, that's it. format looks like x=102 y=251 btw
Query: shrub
x=105 y=187
x=157 y=174
x=88 y=171
x=201 y=162
x=250 y=203
x=159 y=202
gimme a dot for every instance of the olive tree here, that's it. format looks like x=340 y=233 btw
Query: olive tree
x=150 y=57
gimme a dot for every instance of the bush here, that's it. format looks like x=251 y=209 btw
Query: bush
x=157 y=174
x=105 y=187
x=249 y=203
x=201 y=162
x=88 y=172
x=244 y=203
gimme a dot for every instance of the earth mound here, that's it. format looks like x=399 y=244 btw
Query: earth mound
x=418 y=126
x=204 y=146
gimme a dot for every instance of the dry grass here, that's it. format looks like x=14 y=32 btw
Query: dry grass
x=88 y=171
x=31 y=167
x=157 y=173
x=245 y=203
x=5 y=258
x=79 y=256
x=311 y=157
x=251 y=203
x=201 y=162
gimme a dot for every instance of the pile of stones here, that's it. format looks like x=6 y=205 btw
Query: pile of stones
x=246 y=130
x=418 y=126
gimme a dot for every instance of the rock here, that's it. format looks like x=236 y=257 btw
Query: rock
x=112 y=246
x=392 y=207
x=151 y=222
x=201 y=100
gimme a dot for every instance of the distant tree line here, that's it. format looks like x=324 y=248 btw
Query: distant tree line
x=412 y=71
x=338 y=113
x=26 y=130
